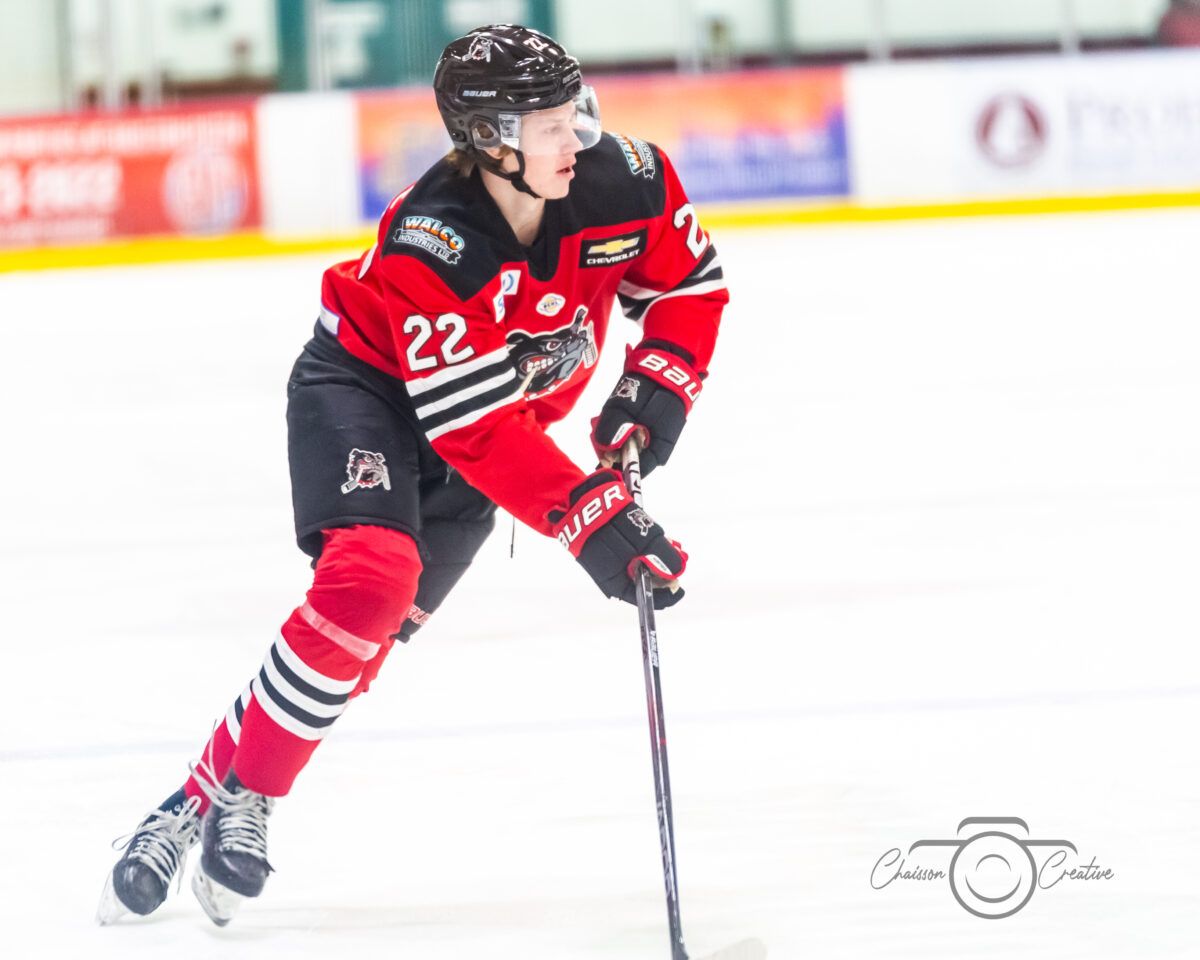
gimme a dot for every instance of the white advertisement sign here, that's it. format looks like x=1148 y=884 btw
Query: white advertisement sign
x=1026 y=126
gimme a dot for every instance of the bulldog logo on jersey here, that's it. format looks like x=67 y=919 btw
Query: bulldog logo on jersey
x=366 y=470
x=546 y=360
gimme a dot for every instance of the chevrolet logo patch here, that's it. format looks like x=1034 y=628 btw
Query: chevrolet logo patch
x=612 y=246
x=611 y=250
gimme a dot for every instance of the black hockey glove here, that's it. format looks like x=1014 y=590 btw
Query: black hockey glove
x=654 y=397
x=610 y=535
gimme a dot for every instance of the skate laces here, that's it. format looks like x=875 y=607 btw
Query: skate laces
x=163 y=840
x=242 y=824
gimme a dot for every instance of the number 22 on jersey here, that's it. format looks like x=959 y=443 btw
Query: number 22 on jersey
x=454 y=328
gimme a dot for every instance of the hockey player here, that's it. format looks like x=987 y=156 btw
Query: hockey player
x=420 y=404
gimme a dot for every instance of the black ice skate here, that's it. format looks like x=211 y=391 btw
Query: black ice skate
x=233 y=858
x=155 y=854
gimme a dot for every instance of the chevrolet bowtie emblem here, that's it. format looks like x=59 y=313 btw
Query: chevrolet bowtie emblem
x=619 y=245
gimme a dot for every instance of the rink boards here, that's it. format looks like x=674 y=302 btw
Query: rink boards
x=864 y=142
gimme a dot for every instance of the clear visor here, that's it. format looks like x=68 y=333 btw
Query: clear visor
x=564 y=129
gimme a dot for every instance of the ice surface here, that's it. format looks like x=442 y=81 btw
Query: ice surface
x=942 y=497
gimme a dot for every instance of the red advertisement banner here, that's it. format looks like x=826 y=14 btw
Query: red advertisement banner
x=172 y=172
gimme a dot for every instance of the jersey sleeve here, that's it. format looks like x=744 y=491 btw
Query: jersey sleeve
x=468 y=398
x=676 y=291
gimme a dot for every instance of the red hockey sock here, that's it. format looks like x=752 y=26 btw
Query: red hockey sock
x=364 y=584
x=218 y=752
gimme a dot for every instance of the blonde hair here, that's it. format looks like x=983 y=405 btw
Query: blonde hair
x=464 y=162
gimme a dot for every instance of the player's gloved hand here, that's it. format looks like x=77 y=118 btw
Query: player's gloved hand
x=654 y=396
x=610 y=535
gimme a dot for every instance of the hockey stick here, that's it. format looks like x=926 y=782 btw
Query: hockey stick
x=745 y=949
x=632 y=468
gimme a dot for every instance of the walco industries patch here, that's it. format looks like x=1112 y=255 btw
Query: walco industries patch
x=432 y=236
x=606 y=252
x=638 y=155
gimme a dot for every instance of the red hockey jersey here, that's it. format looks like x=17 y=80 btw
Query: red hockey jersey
x=492 y=340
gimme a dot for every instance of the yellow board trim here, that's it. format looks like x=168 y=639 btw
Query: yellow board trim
x=849 y=212
x=715 y=216
x=167 y=249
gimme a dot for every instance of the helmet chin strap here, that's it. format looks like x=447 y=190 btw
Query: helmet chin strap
x=517 y=179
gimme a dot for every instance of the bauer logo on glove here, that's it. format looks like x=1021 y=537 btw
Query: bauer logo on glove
x=653 y=399
x=610 y=536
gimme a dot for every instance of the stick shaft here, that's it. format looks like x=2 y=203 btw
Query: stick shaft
x=654 y=708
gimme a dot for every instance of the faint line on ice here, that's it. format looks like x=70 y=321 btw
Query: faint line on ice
x=520 y=727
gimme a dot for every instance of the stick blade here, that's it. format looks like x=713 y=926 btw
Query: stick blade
x=752 y=949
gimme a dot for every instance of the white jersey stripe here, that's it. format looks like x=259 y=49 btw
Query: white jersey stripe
x=355 y=646
x=329 y=320
x=695 y=291
x=469 y=418
x=308 y=674
x=282 y=717
x=421 y=384
x=634 y=292
x=232 y=725
x=231 y=717
x=466 y=394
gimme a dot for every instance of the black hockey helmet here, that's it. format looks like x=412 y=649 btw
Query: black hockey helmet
x=489 y=80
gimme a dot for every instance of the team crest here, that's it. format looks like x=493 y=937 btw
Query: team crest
x=638 y=155
x=432 y=236
x=627 y=389
x=640 y=519
x=551 y=304
x=546 y=360
x=480 y=49
x=366 y=470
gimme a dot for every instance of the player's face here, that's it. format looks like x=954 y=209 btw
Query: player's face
x=549 y=142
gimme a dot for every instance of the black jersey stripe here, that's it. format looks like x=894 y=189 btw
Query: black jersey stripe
x=303 y=686
x=635 y=308
x=291 y=709
x=705 y=260
x=478 y=404
x=457 y=385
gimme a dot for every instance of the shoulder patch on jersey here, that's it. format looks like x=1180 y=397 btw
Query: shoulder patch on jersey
x=443 y=225
x=638 y=155
x=431 y=235
x=607 y=191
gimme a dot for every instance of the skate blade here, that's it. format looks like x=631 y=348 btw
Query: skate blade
x=220 y=903
x=110 y=909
